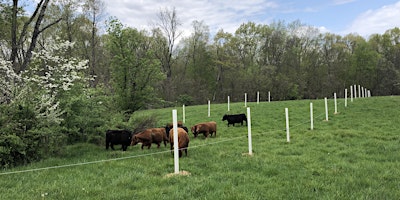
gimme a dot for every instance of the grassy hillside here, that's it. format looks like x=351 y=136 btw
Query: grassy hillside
x=354 y=155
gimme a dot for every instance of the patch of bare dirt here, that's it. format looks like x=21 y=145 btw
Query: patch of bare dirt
x=181 y=173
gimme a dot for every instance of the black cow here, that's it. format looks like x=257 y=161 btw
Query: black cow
x=122 y=137
x=169 y=127
x=232 y=119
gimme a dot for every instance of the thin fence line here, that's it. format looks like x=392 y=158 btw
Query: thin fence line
x=142 y=155
x=81 y=163
x=112 y=159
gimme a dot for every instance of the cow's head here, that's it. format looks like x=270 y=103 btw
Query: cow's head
x=193 y=129
x=134 y=140
x=167 y=130
x=225 y=117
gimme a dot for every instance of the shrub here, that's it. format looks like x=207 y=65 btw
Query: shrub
x=185 y=99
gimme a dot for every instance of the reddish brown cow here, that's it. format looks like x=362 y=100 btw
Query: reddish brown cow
x=183 y=140
x=206 y=128
x=149 y=136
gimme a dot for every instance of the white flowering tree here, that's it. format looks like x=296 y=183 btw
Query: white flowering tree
x=49 y=75
x=30 y=102
x=8 y=82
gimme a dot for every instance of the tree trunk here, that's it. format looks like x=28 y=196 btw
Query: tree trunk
x=35 y=35
x=14 y=46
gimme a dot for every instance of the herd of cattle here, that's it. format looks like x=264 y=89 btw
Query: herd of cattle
x=164 y=135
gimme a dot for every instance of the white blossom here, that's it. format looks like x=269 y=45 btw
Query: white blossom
x=48 y=75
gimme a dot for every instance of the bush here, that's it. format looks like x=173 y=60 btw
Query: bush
x=185 y=99
x=12 y=150
x=85 y=114
x=141 y=123
x=23 y=140
x=36 y=144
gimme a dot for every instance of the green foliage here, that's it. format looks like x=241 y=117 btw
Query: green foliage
x=139 y=123
x=185 y=99
x=135 y=71
x=86 y=114
x=23 y=139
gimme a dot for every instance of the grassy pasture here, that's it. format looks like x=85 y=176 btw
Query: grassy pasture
x=354 y=155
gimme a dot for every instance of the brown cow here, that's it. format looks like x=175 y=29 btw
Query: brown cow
x=149 y=136
x=206 y=128
x=183 y=140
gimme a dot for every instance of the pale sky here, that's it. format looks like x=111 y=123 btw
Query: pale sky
x=364 y=17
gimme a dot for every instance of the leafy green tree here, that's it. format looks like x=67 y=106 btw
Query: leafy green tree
x=224 y=59
x=135 y=71
x=196 y=73
x=388 y=68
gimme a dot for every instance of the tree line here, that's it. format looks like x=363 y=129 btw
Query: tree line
x=68 y=71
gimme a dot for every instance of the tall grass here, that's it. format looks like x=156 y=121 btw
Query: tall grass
x=354 y=155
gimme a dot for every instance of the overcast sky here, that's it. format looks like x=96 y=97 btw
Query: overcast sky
x=364 y=17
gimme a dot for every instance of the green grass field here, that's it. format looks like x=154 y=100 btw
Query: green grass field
x=354 y=155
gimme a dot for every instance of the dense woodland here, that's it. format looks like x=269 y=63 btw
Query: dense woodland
x=69 y=72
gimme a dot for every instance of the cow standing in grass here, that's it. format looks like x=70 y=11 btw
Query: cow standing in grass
x=206 y=128
x=149 y=136
x=233 y=119
x=183 y=140
x=122 y=137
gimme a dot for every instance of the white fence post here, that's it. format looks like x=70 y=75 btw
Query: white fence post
x=249 y=131
x=287 y=124
x=345 y=97
x=326 y=109
x=311 y=116
x=362 y=92
x=245 y=99
x=228 y=104
x=269 y=96
x=365 y=92
x=351 y=93
x=209 y=109
x=258 y=97
x=355 y=91
x=175 y=130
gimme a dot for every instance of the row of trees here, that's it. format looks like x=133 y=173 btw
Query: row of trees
x=65 y=77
